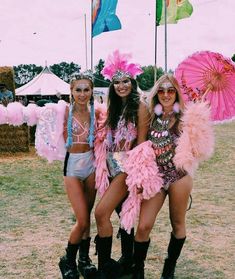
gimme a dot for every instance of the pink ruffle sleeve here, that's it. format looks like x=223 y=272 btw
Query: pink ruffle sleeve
x=196 y=142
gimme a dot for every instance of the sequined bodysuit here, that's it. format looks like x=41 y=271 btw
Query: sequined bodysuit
x=164 y=143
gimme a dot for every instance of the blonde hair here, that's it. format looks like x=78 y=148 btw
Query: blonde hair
x=153 y=94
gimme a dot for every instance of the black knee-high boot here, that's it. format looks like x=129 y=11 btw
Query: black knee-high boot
x=107 y=267
x=174 y=249
x=140 y=253
x=85 y=266
x=127 y=243
x=67 y=264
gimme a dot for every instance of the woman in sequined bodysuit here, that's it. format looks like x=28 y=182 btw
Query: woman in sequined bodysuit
x=165 y=128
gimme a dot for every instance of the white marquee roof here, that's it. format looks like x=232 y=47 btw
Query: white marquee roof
x=46 y=83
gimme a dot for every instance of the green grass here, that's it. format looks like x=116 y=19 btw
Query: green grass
x=36 y=218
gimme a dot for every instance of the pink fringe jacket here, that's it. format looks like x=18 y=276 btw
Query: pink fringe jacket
x=144 y=181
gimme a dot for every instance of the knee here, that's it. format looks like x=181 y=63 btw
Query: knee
x=100 y=215
x=179 y=228
x=82 y=225
x=143 y=231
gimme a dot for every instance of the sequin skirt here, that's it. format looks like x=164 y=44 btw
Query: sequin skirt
x=115 y=162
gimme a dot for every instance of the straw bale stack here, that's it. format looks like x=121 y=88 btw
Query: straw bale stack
x=12 y=139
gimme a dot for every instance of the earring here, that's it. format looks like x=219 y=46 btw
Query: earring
x=176 y=107
x=158 y=109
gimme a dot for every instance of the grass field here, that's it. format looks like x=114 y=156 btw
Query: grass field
x=35 y=218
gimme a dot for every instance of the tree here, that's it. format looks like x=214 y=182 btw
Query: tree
x=24 y=73
x=99 y=80
x=146 y=79
x=64 y=70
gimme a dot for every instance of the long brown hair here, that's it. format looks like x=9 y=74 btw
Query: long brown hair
x=115 y=106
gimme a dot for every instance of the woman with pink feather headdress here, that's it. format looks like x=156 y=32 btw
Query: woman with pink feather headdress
x=126 y=127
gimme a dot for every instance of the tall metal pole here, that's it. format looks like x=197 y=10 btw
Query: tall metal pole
x=91 y=36
x=155 y=49
x=85 y=40
x=165 y=13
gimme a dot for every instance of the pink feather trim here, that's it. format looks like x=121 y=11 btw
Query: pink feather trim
x=196 y=142
x=15 y=114
x=30 y=114
x=100 y=149
x=3 y=115
x=143 y=174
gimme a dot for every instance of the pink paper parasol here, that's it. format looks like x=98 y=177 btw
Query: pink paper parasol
x=210 y=76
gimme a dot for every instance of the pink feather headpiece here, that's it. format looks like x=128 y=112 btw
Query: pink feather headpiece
x=118 y=66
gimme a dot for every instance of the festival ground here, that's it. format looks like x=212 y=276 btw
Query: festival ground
x=36 y=218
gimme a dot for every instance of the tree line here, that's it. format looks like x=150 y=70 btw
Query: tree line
x=23 y=73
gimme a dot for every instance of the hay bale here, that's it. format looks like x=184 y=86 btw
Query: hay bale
x=7 y=77
x=12 y=139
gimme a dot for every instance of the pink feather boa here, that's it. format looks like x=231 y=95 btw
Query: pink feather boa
x=100 y=149
x=196 y=142
x=144 y=176
x=15 y=114
x=30 y=114
x=3 y=114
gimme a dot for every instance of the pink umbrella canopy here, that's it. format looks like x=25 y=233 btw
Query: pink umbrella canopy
x=210 y=76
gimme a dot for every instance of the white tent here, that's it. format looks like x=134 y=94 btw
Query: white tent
x=44 y=84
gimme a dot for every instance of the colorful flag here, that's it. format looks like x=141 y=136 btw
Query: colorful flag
x=176 y=10
x=104 y=18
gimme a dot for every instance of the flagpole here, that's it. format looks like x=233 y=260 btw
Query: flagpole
x=85 y=40
x=165 y=15
x=155 y=49
x=91 y=37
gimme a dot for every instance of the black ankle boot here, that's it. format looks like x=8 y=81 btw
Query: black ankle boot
x=140 y=253
x=107 y=267
x=85 y=266
x=126 y=260
x=67 y=264
x=174 y=248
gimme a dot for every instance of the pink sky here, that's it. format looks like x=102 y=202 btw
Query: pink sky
x=53 y=31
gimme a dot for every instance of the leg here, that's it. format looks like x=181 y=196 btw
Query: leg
x=148 y=213
x=179 y=193
x=75 y=193
x=86 y=268
x=116 y=192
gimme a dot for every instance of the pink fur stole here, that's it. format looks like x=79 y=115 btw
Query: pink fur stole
x=196 y=142
x=3 y=114
x=15 y=114
x=144 y=181
x=100 y=149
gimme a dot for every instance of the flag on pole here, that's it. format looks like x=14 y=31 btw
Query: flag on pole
x=104 y=18
x=176 y=10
